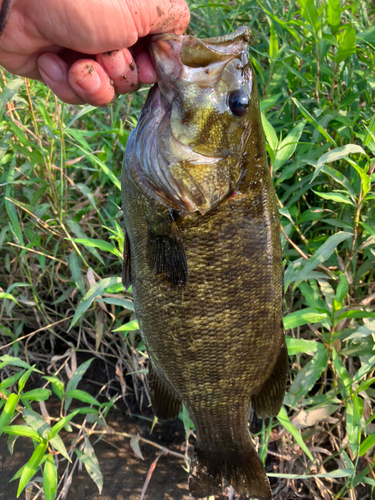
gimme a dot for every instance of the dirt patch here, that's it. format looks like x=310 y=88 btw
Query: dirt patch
x=123 y=472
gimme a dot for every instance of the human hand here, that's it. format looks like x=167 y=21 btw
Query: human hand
x=87 y=50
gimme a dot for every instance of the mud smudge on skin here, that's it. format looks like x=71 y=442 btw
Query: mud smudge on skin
x=131 y=65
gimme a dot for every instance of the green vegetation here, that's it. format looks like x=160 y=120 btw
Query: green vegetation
x=61 y=246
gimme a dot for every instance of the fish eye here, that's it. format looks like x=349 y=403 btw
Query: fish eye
x=238 y=102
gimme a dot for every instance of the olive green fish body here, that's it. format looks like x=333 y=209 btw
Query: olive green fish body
x=207 y=286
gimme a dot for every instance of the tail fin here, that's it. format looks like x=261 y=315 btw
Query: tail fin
x=211 y=472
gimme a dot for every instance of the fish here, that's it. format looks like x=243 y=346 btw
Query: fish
x=202 y=253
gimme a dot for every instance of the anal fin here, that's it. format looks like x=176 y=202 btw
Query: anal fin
x=126 y=275
x=164 y=403
x=166 y=252
x=267 y=402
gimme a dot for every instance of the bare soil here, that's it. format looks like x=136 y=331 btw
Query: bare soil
x=123 y=472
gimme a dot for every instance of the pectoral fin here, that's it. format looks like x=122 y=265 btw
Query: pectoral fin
x=267 y=402
x=126 y=276
x=164 y=403
x=166 y=252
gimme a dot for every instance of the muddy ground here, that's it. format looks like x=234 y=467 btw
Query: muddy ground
x=124 y=473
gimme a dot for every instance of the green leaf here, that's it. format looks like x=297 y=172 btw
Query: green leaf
x=269 y=133
x=88 y=458
x=76 y=229
x=36 y=422
x=337 y=154
x=313 y=122
x=367 y=444
x=334 y=15
x=297 y=346
x=57 y=386
x=83 y=396
x=50 y=478
x=76 y=378
x=347 y=45
x=127 y=304
x=322 y=254
x=283 y=418
x=340 y=178
x=304 y=316
x=356 y=314
x=363 y=331
x=341 y=292
x=10 y=360
x=309 y=12
x=74 y=265
x=269 y=102
x=366 y=181
x=10 y=206
x=62 y=423
x=365 y=384
x=130 y=326
x=102 y=165
x=59 y=446
x=37 y=395
x=288 y=146
x=8 y=93
x=31 y=467
x=369 y=229
x=344 y=379
x=8 y=411
x=98 y=289
x=334 y=474
x=274 y=45
x=24 y=379
x=86 y=109
x=22 y=430
x=101 y=244
x=8 y=296
x=353 y=422
x=10 y=380
x=308 y=375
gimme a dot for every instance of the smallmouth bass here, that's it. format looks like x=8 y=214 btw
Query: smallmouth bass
x=202 y=253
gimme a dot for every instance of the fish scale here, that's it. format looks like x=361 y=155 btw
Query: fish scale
x=207 y=281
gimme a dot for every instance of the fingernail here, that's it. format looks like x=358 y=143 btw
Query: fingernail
x=115 y=63
x=51 y=68
x=88 y=79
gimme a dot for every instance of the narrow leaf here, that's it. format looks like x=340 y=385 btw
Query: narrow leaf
x=283 y=418
x=288 y=146
x=83 y=396
x=31 y=467
x=98 y=289
x=50 y=478
x=322 y=254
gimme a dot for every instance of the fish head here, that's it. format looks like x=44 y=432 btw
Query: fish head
x=206 y=103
